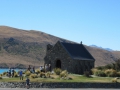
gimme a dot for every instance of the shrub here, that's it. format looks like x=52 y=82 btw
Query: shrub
x=33 y=76
x=94 y=71
x=114 y=80
x=100 y=73
x=4 y=73
x=111 y=73
x=42 y=74
x=117 y=65
x=0 y=77
x=52 y=77
x=107 y=72
x=86 y=74
x=118 y=74
x=69 y=78
x=15 y=74
x=100 y=68
x=37 y=71
x=109 y=66
x=97 y=72
x=57 y=71
x=64 y=74
x=27 y=73
x=48 y=74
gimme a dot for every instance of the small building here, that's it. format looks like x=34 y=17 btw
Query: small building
x=72 y=57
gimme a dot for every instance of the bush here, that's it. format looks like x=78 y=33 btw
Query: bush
x=27 y=73
x=15 y=74
x=48 y=74
x=87 y=74
x=57 y=71
x=107 y=72
x=100 y=68
x=109 y=66
x=42 y=74
x=94 y=71
x=100 y=73
x=118 y=74
x=37 y=71
x=114 y=80
x=4 y=73
x=0 y=77
x=111 y=73
x=33 y=76
x=64 y=74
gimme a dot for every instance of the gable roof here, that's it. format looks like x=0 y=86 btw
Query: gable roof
x=77 y=51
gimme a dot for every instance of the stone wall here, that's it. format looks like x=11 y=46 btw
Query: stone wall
x=59 y=85
x=58 y=53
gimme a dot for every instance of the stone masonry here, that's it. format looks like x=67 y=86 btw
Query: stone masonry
x=59 y=57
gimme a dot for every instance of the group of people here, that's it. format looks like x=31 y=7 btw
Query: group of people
x=31 y=70
x=45 y=68
x=11 y=72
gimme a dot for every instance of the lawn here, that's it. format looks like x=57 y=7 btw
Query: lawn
x=55 y=78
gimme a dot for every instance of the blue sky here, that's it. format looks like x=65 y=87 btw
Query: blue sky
x=90 y=21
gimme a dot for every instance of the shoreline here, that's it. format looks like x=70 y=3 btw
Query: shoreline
x=14 y=68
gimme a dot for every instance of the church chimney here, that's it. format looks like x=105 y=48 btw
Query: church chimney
x=81 y=42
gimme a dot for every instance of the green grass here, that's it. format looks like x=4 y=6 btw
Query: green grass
x=75 y=78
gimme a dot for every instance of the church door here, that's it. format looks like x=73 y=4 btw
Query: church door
x=58 y=64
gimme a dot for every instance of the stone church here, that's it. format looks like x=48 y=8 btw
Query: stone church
x=72 y=57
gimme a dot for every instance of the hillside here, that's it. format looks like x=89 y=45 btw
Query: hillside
x=20 y=48
x=102 y=56
x=23 y=47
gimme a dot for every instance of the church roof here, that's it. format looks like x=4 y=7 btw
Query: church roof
x=77 y=51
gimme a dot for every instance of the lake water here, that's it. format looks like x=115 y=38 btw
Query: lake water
x=5 y=70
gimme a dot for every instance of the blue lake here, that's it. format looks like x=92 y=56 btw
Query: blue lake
x=5 y=70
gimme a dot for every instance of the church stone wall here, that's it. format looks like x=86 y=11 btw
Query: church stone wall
x=67 y=63
x=58 y=53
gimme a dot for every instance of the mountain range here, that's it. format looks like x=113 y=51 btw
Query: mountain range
x=20 y=48
x=108 y=49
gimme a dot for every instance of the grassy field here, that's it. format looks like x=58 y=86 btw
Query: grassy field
x=55 y=78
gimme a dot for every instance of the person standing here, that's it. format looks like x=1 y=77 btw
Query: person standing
x=50 y=67
x=13 y=72
x=9 y=72
x=28 y=83
x=21 y=75
x=33 y=70
x=46 y=67
x=40 y=68
x=29 y=68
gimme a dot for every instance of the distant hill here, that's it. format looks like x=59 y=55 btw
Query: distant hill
x=108 y=49
x=20 y=48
